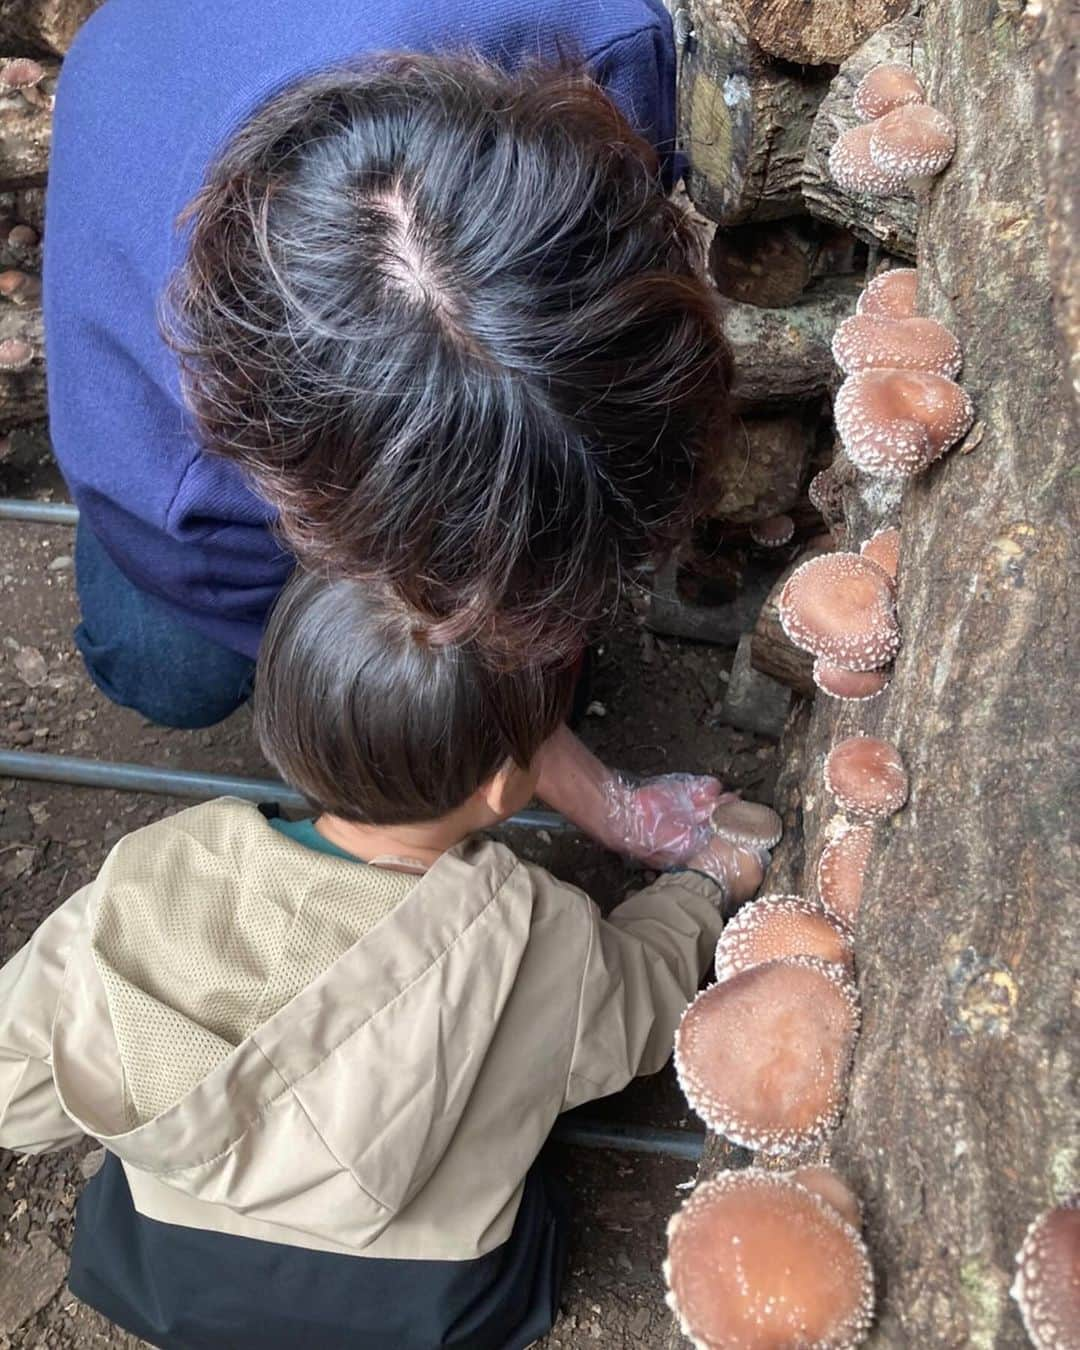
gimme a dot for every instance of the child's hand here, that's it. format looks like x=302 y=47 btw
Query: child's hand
x=739 y=870
x=662 y=821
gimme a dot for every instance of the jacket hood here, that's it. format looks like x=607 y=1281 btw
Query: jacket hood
x=348 y=1093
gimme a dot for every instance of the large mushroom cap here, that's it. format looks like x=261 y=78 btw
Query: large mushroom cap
x=747 y=824
x=757 y=1262
x=912 y=142
x=867 y=777
x=763 y=1056
x=884 y=549
x=775 y=927
x=894 y=423
x=1047 y=1284
x=833 y=1189
x=884 y=88
x=855 y=686
x=840 y=607
x=841 y=869
x=875 y=342
x=891 y=294
x=853 y=170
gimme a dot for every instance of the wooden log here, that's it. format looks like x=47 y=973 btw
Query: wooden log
x=22 y=393
x=745 y=123
x=891 y=220
x=772 y=651
x=759 y=469
x=26 y=133
x=783 y=355
x=771 y=264
x=44 y=25
x=816 y=32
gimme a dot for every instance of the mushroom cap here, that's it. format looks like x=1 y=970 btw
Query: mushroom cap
x=876 y=342
x=826 y=493
x=853 y=170
x=747 y=824
x=763 y=1057
x=884 y=88
x=756 y=1261
x=841 y=869
x=1047 y=1284
x=840 y=606
x=20 y=72
x=22 y=236
x=884 y=549
x=856 y=686
x=773 y=532
x=832 y=1188
x=15 y=354
x=890 y=294
x=894 y=423
x=867 y=777
x=915 y=141
x=774 y=927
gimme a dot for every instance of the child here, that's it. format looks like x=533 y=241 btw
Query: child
x=323 y=1056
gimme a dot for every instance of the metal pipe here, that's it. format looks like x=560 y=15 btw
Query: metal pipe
x=41 y=513
x=686 y=1144
x=184 y=783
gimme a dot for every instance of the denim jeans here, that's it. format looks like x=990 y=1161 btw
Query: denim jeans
x=141 y=656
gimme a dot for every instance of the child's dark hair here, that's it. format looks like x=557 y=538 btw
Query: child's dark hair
x=361 y=712
x=448 y=321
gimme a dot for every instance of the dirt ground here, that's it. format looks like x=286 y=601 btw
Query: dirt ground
x=655 y=709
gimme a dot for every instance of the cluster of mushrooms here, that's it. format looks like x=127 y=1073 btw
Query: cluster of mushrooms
x=26 y=82
x=761 y=1258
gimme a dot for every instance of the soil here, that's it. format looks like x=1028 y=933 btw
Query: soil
x=655 y=705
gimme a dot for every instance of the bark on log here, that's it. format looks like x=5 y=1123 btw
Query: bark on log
x=961 y=1118
x=26 y=133
x=890 y=220
x=22 y=393
x=745 y=123
x=772 y=264
x=759 y=469
x=816 y=32
x=45 y=25
x=772 y=652
x=784 y=355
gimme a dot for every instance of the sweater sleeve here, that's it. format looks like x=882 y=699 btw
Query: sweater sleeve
x=31 y=1117
x=643 y=965
x=638 y=72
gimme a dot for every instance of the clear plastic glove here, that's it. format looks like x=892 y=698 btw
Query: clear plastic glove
x=663 y=821
x=738 y=870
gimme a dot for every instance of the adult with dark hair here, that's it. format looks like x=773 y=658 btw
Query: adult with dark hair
x=429 y=318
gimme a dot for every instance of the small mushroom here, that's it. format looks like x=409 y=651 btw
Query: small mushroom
x=840 y=607
x=891 y=294
x=833 y=1189
x=1047 y=1284
x=853 y=170
x=763 y=1056
x=856 y=686
x=23 y=237
x=914 y=142
x=757 y=1261
x=884 y=549
x=841 y=870
x=773 y=532
x=20 y=287
x=894 y=423
x=777 y=926
x=875 y=342
x=867 y=777
x=15 y=354
x=884 y=88
x=747 y=824
x=20 y=72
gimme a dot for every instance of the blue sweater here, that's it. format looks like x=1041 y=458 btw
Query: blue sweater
x=148 y=94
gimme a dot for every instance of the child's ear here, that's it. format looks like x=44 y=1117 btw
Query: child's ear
x=497 y=793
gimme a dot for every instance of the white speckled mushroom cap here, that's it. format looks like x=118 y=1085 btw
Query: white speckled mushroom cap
x=1047 y=1284
x=876 y=342
x=747 y=824
x=890 y=294
x=772 y=928
x=884 y=549
x=912 y=142
x=840 y=607
x=894 y=423
x=757 y=1261
x=853 y=170
x=853 y=686
x=763 y=1057
x=888 y=86
x=773 y=532
x=867 y=777
x=841 y=870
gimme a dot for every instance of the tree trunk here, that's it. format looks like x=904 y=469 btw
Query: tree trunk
x=22 y=392
x=45 y=25
x=26 y=133
x=890 y=220
x=816 y=32
x=745 y=122
x=961 y=1119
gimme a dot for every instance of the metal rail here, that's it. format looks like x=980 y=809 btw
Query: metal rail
x=185 y=783
x=41 y=513
x=686 y=1144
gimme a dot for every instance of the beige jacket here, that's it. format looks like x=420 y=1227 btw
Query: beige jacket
x=386 y=1101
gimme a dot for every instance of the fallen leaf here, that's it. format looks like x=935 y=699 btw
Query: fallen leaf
x=31 y=666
